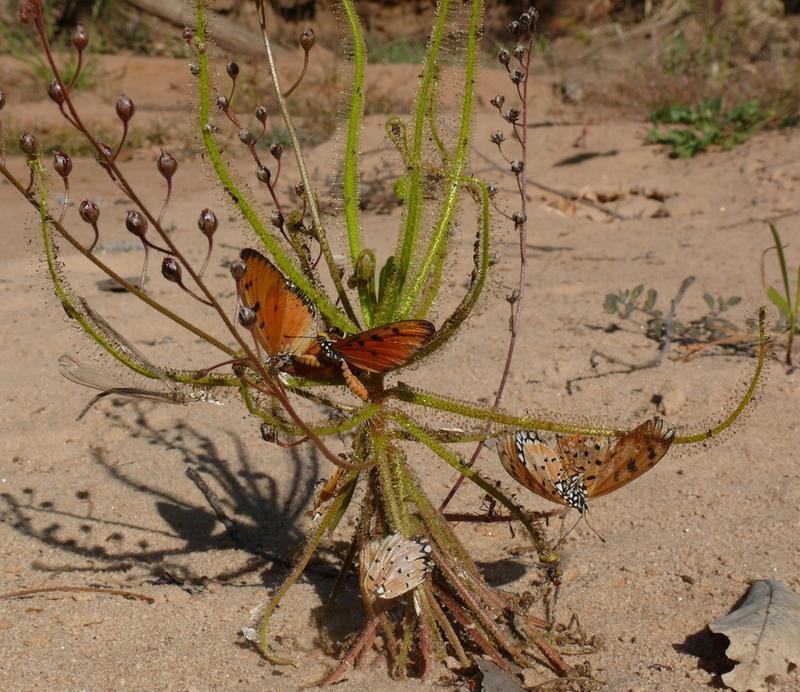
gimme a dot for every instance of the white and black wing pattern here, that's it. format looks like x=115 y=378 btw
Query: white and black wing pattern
x=394 y=565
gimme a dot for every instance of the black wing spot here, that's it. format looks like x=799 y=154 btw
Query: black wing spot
x=632 y=466
x=395 y=330
x=376 y=337
x=361 y=343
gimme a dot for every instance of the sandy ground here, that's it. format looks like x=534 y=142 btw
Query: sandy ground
x=105 y=503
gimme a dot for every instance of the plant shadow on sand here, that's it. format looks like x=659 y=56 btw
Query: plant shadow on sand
x=267 y=521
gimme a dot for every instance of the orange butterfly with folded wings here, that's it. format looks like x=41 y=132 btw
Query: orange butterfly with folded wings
x=583 y=466
x=284 y=326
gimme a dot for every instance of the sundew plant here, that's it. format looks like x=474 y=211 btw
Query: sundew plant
x=334 y=388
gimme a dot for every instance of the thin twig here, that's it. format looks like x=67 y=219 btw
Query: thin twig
x=77 y=589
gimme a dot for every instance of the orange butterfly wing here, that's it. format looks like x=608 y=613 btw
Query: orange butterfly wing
x=532 y=464
x=284 y=319
x=385 y=347
x=630 y=456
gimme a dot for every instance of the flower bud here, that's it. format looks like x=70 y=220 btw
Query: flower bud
x=194 y=69
x=125 y=108
x=207 y=222
x=276 y=219
x=299 y=189
x=512 y=115
x=55 y=92
x=222 y=102
x=62 y=163
x=89 y=211
x=247 y=317
x=517 y=166
x=171 y=270
x=187 y=34
x=238 y=268
x=497 y=138
x=2 y=100
x=525 y=20
x=167 y=165
x=136 y=223
x=498 y=101
x=491 y=188
x=519 y=51
x=28 y=145
x=276 y=149
x=513 y=28
x=261 y=113
x=503 y=56
x=105 y=156
x=307 y=39
x=80 y=39
x=232 y=69
x=263 y=174
x=246 y=137
x=516 y=76
x=519 y=217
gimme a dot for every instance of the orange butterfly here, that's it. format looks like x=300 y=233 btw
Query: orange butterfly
x=583 y=466
x=284 y=317
x=284 y=327
x=376 y=350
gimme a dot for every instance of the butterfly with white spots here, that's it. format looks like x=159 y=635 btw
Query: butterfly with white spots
x=394 y=565
x=583 y=466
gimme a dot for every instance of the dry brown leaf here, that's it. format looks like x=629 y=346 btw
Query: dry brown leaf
x=764 y=632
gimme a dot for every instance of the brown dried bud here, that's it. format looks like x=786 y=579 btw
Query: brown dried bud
x=276 y=149
x=519 y=51
x=276 y=219
x=525 y=19
x=136 y=223
x=222 y=102
x=28 y=10
x=263 y=174
x=125 y=108
x=497 y=138
x=238 y=268
x=2 y=100
x=491 y=188
x=171 y=270
x=498 y=101
x=261 y=113
x=519 y=217
x=105 y=156
x=55 y=92
x=517 y=166
x=89 y=211
x=513 y=28
x=80 y=38
x=62 y=163
x=504 y=56
x=517 y=76
x=246 y=137
x=307 y=39
x=194 y=69
x=247 y=317
x=167 y=165
x=187 y=34
x=299 y=189
x=28 y=145
x=232 y=69
x=207 y=222
x=512 y=115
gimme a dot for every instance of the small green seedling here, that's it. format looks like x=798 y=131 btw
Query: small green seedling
x=784 y=302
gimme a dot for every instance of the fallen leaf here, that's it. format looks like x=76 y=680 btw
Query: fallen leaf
x=764 y=632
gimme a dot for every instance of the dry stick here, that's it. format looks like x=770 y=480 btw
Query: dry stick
x=569 y=196
x=77 y=589
x=653 y=362
x=522 y=227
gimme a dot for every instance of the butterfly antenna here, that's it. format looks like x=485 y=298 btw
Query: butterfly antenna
x=572 y=528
